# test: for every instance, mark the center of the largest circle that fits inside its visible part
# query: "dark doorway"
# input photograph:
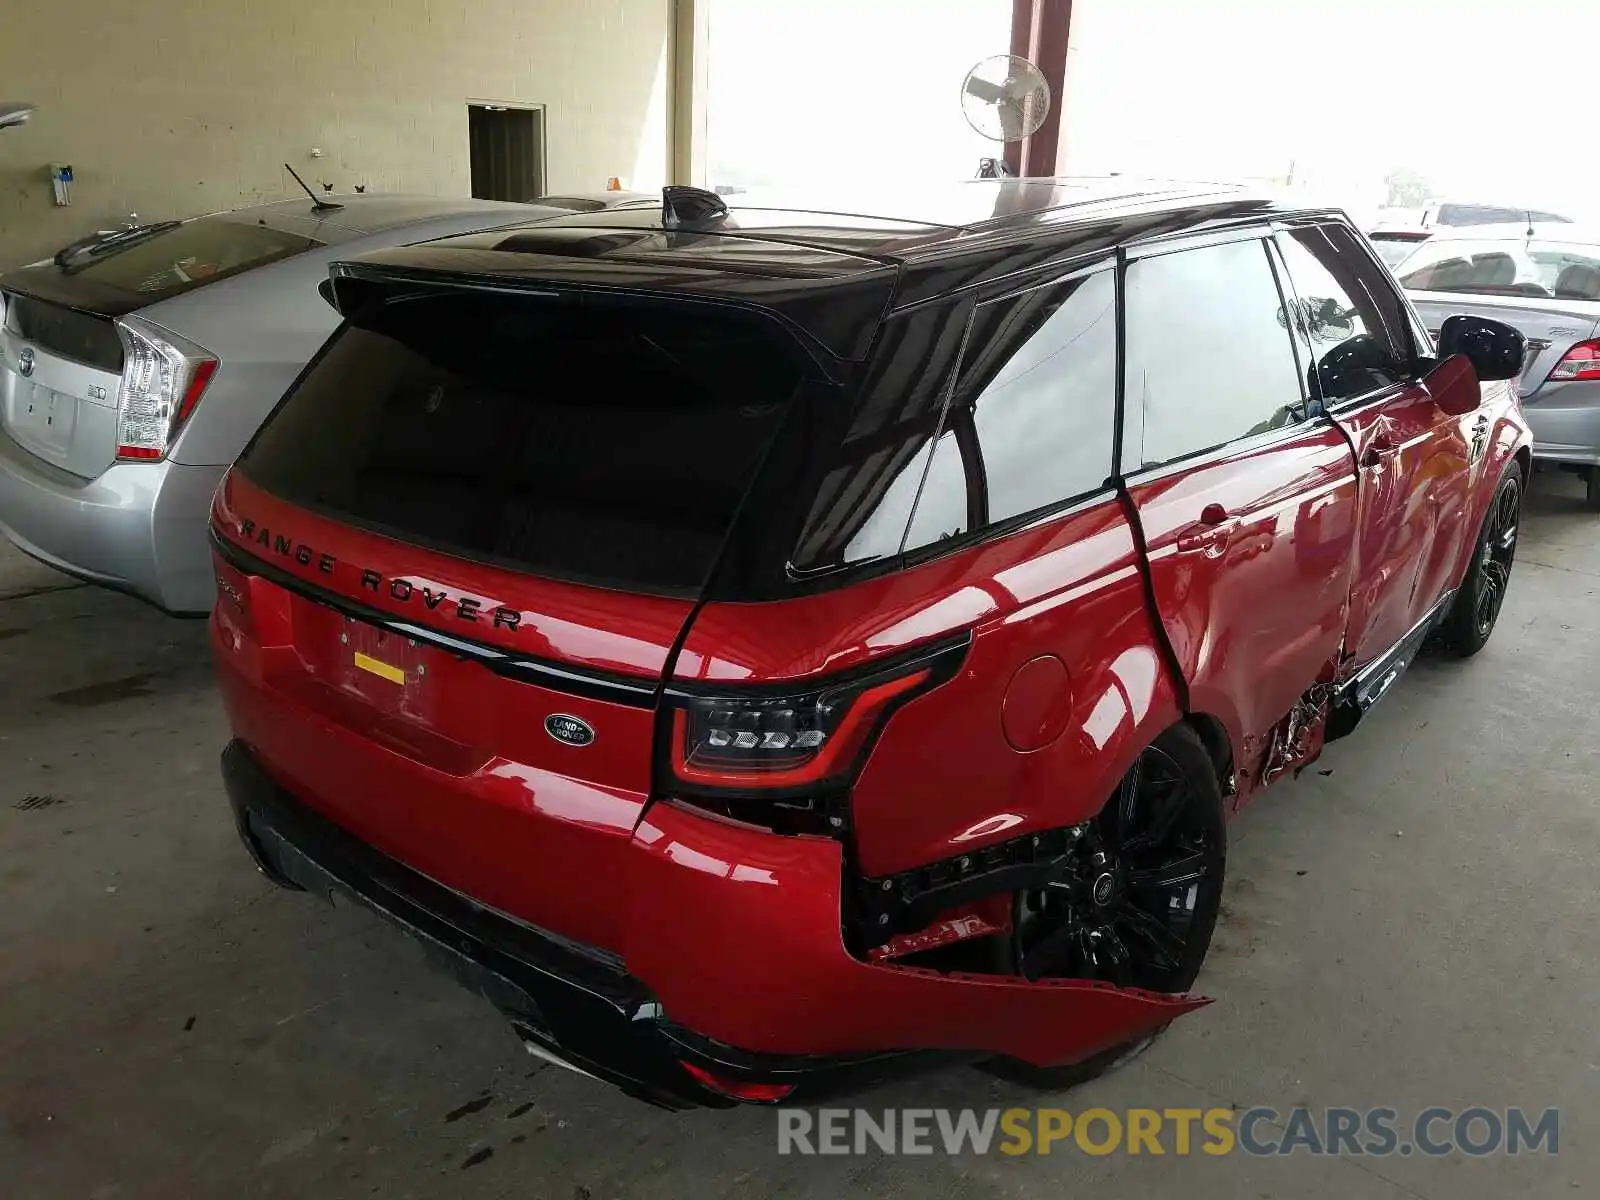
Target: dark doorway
(507, 151)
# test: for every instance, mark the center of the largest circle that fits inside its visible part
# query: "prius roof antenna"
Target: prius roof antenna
(317, 203)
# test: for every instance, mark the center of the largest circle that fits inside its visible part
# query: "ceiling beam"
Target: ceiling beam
(1039, 33)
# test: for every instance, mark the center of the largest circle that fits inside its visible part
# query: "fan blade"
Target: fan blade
(1011, 129)
(989, 93)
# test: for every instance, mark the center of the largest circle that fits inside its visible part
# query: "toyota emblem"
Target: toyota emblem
(25, 361)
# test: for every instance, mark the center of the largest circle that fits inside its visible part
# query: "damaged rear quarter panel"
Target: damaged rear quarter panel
(709, 940)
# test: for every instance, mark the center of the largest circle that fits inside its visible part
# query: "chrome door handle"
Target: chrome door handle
(1211, 533)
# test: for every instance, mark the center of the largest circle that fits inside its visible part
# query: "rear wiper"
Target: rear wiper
(97, 244)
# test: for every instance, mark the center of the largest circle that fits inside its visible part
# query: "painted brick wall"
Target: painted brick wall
(174, 107)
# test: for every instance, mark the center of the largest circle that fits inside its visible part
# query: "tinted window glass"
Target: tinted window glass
(1209, 357)
(864, 500)
(606, 444)
(78, 336)
(176, 259)
(1339, 318)
(944, 505)
(1041, 386)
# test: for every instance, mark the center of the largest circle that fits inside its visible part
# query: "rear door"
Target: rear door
(1414, 458)
(1246, 497)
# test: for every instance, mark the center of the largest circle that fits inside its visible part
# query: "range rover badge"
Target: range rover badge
(567, 729)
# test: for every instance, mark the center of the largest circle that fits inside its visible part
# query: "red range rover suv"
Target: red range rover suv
(758, 650)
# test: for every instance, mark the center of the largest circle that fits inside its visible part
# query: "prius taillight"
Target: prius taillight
(163, 379)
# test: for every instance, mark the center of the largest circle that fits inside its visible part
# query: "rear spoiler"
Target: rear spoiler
(354, 287)
(833, 315)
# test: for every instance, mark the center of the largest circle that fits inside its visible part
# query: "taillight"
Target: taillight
(1580, 362)
(163, 378)
(790, 746)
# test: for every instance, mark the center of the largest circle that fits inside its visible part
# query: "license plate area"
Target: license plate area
(386, 669)
(393, 690)
(43, 419)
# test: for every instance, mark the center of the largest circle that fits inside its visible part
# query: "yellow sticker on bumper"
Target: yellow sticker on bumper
(381, 669)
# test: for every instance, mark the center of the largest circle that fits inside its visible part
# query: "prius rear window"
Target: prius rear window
(605, 444)
(164, 261)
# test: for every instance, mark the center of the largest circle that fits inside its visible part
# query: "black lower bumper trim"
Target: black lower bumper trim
(577, 1001)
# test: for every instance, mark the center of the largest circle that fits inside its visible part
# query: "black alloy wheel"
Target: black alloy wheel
(1477, 606)
(1138, 906)
(1139, 899)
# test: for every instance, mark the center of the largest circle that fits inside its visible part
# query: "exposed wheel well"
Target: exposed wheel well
(1215, 739)
(1524, 459)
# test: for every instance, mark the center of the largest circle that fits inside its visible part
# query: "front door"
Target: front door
(1411, 455)
(1247, 499)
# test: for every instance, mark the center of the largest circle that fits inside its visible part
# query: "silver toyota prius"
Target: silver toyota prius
(135, 365)
(1544, 279)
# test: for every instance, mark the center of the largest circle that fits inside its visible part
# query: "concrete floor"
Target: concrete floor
(1411, 924)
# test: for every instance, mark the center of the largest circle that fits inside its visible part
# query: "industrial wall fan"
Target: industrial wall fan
(1005, 98)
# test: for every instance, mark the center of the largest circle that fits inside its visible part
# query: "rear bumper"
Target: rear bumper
(733, 932)
(1565, 421)
(139, 527)
(575, 1001)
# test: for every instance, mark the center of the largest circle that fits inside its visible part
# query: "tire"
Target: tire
(1178, 752)
(1472, 617)
(1592, 492)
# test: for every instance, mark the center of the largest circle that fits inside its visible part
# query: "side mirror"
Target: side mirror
(1496, 350)
(325, 290)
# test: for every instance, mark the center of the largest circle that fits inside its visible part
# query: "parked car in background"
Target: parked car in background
(761, 648)
(1546, 282)
(1396, 243)
(136, 364)
(1449, 214)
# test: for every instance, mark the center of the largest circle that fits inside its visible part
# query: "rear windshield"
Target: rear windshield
(173, 259)
(1543, 270)
(604, 444)
(81, 337)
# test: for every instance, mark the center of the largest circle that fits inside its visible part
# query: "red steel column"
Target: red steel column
(1039, 33)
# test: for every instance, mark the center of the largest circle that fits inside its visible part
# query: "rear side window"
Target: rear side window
(175, 259)
(945, 504)
(604, 444)
(870, 484)
(1041, 394)
(1209, 358)
(1340, 318)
